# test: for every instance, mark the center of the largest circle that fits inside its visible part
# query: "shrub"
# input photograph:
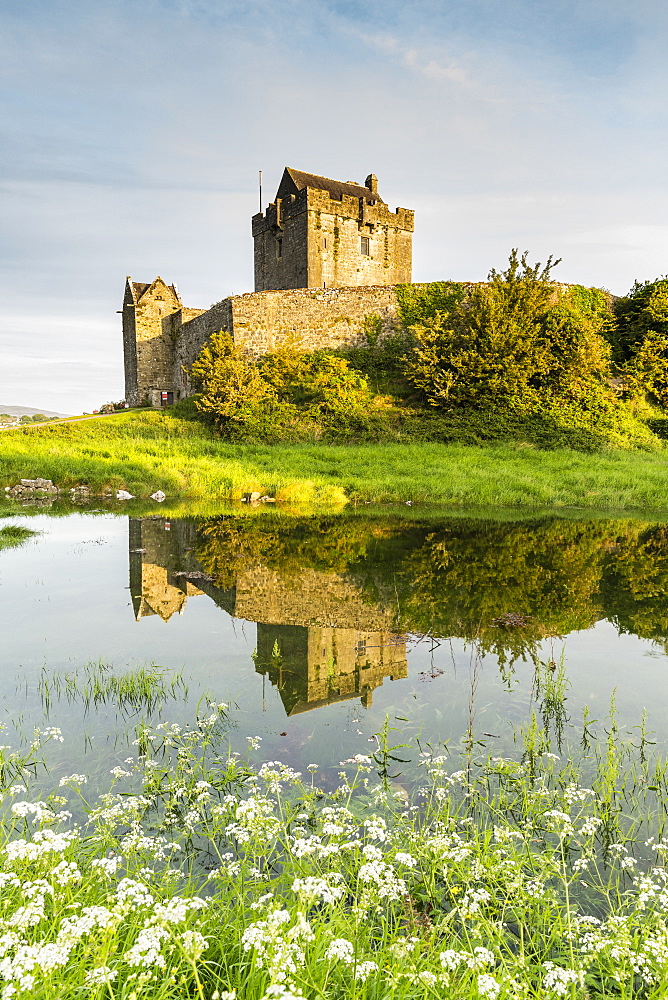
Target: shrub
(291, 395)
(231, 387)
(641, 338)
(509, 343)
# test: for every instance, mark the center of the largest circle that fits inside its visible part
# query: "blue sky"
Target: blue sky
(132, 133)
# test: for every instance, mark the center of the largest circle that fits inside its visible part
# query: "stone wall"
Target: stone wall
(152, 318)
(281, 245)
(335, 233)
(191, 337)
(311, 318)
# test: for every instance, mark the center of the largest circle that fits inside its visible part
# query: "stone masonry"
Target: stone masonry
(321, 233)
(333, 642)
(309, 318)
(152, 316)
(327, 257)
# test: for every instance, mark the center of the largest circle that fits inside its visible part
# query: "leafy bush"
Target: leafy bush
(516, 350)
(641, 338)
(509, 343)
(291, 395)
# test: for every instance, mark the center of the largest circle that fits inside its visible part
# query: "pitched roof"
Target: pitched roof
(294, 181)
(138, 288)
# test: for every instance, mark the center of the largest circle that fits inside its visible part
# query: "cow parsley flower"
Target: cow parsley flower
(102, 974)
(364, 970)
(342, 950)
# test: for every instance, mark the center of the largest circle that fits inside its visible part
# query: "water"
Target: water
(315, 629)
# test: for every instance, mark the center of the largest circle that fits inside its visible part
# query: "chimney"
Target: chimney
(372, 183)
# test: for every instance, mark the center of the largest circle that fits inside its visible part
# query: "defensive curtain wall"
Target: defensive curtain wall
(164, 338)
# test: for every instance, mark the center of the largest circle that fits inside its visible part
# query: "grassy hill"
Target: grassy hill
(144, 451)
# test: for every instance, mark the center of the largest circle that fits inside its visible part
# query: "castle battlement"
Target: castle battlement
(321, 233)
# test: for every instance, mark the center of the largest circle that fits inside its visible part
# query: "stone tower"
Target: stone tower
(321, 233)
(152, 313)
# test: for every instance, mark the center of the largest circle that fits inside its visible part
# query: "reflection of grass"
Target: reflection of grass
(145, 451)
(13, 534)
(144, 688)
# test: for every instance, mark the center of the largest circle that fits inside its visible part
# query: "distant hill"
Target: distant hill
(20, 411)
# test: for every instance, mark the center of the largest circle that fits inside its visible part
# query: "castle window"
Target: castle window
(360, 647)
(365, 248)
(324, 243)
(279, 248)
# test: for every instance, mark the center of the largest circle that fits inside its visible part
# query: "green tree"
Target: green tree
(516, 342)
(230, 384)
(641, 338)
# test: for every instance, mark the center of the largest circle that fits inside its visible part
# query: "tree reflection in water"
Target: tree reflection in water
(335, 597)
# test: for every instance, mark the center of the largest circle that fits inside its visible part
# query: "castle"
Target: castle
(333, 643)
(328, 255)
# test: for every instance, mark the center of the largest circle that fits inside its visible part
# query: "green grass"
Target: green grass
(13, 534)
(198, 873)
(146, 451)
(141, 689)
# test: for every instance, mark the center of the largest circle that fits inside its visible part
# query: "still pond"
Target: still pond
(315, 629)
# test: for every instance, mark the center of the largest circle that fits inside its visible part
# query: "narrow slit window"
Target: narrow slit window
(279, 248)
(365, 247)
(324, 243)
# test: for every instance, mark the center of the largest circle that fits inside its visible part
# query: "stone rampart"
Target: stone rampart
(310, 318)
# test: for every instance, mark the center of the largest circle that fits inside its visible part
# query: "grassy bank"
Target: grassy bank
(197, 873)
(146, 451)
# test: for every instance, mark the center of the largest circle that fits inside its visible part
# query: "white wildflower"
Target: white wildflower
(488, 987)
(102, 974)
(376, 828)
(193, 943)
(108, 866)
(329, 889)
(557, 980)
(147, 949)
(364, 970)
(342, 950)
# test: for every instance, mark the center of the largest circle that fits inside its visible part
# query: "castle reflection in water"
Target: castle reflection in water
(318, 640)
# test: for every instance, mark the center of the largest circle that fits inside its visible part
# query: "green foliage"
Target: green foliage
(641, 338)
(145, 451)
(521, 348)
(510, 343)
(289, 395)
(13, 535)
(231, 387)
(421, 302)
